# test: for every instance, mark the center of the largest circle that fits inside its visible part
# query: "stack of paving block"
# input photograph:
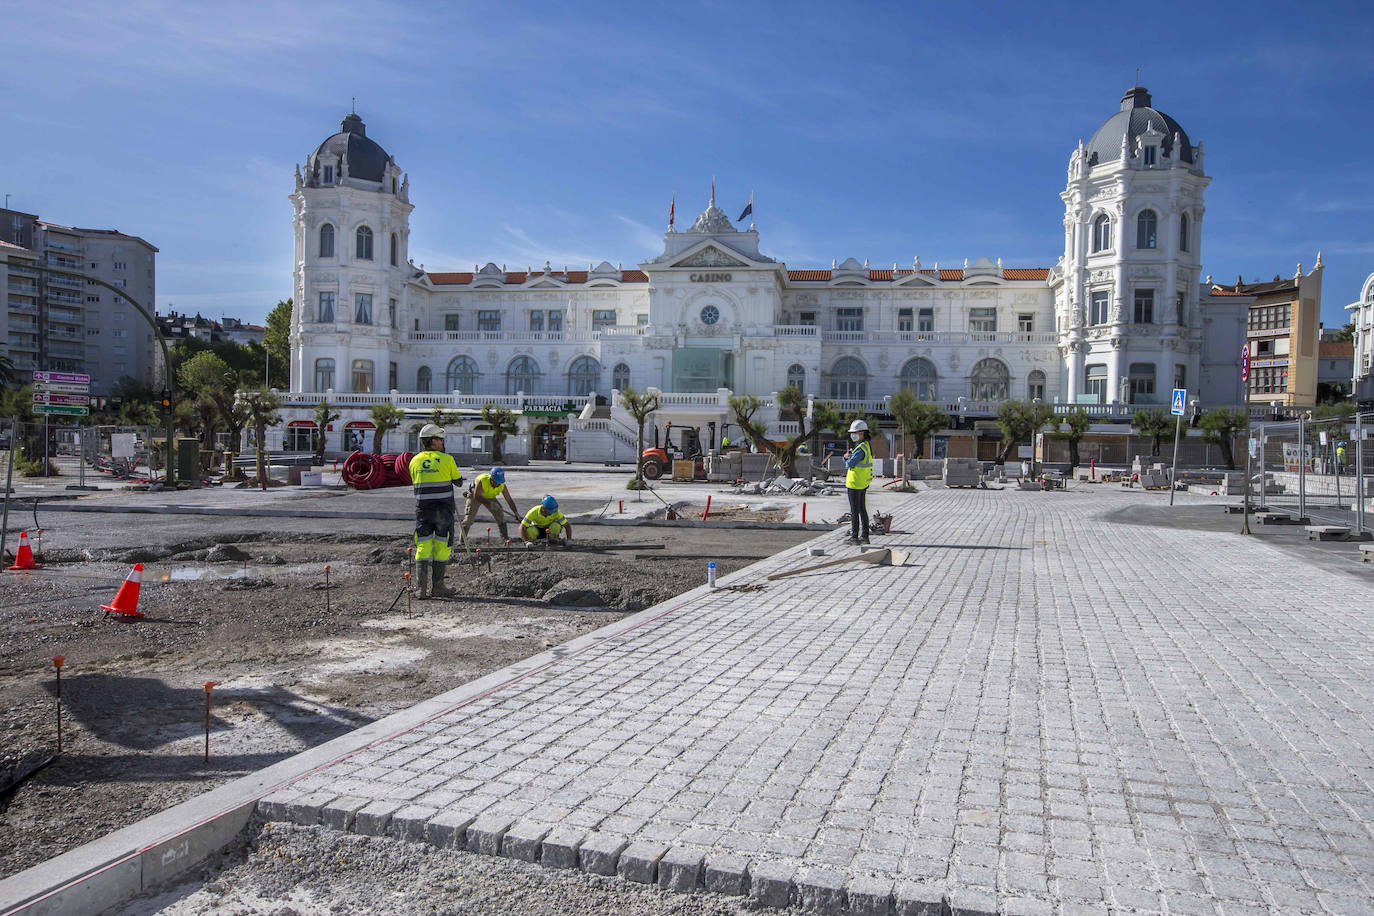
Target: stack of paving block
(961, 472)
(753, 467)
(724, 467)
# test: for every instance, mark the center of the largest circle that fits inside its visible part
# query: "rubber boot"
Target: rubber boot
(422, 579)
(439, 589)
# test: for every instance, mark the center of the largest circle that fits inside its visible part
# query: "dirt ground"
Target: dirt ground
(295, 665)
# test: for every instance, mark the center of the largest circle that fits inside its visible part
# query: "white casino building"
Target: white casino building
(1121, 319)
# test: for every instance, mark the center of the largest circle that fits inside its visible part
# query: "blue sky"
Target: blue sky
(536, 131)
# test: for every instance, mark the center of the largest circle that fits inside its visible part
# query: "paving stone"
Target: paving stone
(559, 848)
(275, 807)
(917, 898)
(770, 883)
(449, 828)
(639, 861)
(820, 890)
(600, 852)
(339, 812)
(966, 901)
(870, 896)
(306, 810)
(682, 869)
(409, 822)
(372, 820)
(524, 840)
(727, 874)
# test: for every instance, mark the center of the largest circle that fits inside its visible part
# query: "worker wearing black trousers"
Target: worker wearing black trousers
(858, 476)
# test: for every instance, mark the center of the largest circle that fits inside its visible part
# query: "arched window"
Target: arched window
(523, 375)
(327, 241)
(422, 378)
(1102, 233)
(324, 374)
(363, 376)
(620, 377)
(462, 375)
(1146, 225)
(990, 380)
(1183, 232)
(1035, 385)
(796, 377)
(848, 380)
(393, 249)
(584, 376)
(364, 247)
(918, 376)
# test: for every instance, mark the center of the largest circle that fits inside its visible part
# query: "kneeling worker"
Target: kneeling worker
(545, 522)
(433, 475)
(484, 493)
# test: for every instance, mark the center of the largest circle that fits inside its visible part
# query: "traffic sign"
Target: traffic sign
(1245, 362)
(1180, 399)
(74, 400)
(61, 387)
(65, 409)
(76, 378)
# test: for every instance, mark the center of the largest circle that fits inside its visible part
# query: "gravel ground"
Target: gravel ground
(283, 870)
(291, 674)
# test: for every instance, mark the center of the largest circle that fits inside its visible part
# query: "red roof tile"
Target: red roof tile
(1218, 291)
(633, 276)
(449, 279)
(808, 275)
(1026, 273)
(952, 274)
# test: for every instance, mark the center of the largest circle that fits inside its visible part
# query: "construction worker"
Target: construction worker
(1340, 457)
(545, 522)
(483, 493)
(433, 475)
(859, 461)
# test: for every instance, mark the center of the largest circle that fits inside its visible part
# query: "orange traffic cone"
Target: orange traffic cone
(24, 558)
(126, 601)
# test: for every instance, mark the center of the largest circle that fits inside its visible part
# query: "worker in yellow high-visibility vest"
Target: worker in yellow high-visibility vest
(484, 492)
(859, 462)
(433, 475)
(545, 523)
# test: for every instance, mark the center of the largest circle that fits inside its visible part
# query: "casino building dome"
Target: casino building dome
(365, 158)
(1135, 118)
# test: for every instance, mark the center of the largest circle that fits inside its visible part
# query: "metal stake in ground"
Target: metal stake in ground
(326, 590)
(57, 661)
(407, 596)
(209, 685)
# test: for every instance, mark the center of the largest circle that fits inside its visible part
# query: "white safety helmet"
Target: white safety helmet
(858, 426)
(430, 431)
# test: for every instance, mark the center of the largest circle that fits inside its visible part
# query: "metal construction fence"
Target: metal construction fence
(1321, 468)
(38, 449)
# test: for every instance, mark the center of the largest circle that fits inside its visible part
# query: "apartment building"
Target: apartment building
(1283, 327)
(73, 324)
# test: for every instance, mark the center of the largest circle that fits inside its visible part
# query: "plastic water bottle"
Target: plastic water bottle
(711, 574)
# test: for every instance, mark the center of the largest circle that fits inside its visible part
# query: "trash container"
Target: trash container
(188, 461)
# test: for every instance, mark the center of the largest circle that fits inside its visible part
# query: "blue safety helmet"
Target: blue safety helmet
(498, 476)
(549, 504)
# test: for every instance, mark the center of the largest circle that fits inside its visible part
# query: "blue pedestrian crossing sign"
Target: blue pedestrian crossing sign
(1180, 398)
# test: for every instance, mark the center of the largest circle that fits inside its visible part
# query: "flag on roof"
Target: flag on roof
(748, 208)
(672, 211)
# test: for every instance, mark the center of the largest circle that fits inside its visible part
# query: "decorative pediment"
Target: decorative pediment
(710, 256)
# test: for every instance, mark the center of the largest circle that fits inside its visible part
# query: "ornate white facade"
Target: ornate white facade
(1362, 315)
(1120, 318)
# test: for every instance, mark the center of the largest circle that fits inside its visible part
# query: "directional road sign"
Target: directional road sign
(1180, 399)
(66, 409)
(75, 378)
(72, 400)
(61, 388)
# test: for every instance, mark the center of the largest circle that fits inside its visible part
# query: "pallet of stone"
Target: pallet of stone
(1327, 532)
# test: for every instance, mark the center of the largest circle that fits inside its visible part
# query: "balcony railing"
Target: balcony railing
(59, 280)
(940, 337)
(73, 247)
(779, 330)
(58, 296)
(474, 402)
(526, 336)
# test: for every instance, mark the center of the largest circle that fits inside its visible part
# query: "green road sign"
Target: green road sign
(65, 409)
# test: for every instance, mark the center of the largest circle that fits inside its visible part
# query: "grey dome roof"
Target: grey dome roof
(1136, 116)
(366, 160)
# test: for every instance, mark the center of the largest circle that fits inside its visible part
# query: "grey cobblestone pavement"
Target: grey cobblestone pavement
(1043, 712)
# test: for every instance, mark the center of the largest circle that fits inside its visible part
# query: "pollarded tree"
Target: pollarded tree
(917, 419)
(745, 406)
(324, 415)
(1078, 423)
(261, 405)
(1019, 420)
(503, 425)
(1219, 427)
(1155, 423)
(385, 418)
(639, 405)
